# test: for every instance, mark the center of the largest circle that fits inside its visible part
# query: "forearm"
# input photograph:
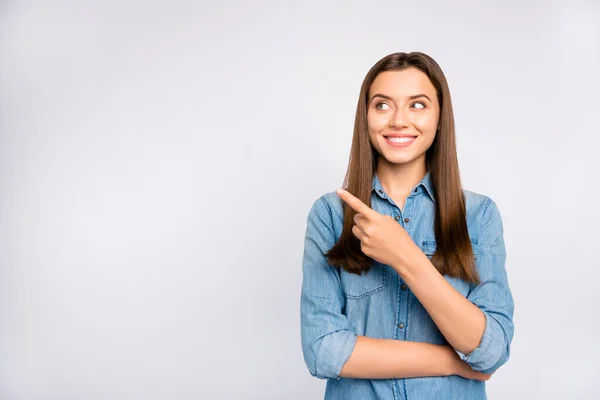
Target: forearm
(461, 322)
(394, 359)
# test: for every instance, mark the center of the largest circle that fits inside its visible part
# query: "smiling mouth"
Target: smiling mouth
(402, 141)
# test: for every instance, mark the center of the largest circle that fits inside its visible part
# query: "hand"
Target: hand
(381, 237)
(463, 369)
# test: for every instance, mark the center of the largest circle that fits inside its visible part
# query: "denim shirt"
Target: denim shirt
(336, 306)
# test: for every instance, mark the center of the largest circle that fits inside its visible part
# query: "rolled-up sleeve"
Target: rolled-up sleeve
(327, 340)
(492, 295)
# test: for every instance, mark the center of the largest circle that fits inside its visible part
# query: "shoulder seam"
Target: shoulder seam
(322, 198)
(486, 208)
(329, 213)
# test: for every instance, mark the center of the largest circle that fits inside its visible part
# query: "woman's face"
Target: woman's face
(402, 104)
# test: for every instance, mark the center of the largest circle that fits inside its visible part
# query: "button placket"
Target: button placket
(403, 300)
(404, 292)
(408, 206)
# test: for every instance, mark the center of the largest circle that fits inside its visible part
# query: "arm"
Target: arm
(391, 359)
(461, 322)
(329, 344)
(481, 324)
(327, 340)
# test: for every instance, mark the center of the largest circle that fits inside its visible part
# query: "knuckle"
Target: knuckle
(365, 249)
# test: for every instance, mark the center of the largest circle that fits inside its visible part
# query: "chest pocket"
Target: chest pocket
(356, 287)
(464, 288)
(429, 247)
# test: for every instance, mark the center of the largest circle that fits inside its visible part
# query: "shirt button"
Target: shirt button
(401, 325)
(396, 218)
(380, 191)
(406, 220)
(403, 286)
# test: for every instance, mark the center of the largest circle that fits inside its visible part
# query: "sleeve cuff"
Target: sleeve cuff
(334, 351)
(490, 349)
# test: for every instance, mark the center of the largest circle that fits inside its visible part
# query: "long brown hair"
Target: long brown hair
(454, 253)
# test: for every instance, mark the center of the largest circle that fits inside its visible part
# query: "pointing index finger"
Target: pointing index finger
(355, 202)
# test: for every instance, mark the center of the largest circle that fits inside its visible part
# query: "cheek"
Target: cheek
(374, 128)
(426, 123)
(375, 124)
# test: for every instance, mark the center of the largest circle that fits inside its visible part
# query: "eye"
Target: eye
(378, 104)
(420, 104)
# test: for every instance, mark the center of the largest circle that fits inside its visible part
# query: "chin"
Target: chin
(399, 160)
(402, 158)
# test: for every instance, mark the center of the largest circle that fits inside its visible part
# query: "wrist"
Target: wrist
(404, 263)
(450, 363)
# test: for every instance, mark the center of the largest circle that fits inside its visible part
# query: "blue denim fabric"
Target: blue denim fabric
(336, 306)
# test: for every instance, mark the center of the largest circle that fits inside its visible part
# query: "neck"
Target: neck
(398, 180)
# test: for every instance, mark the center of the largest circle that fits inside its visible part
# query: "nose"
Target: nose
(398, 118)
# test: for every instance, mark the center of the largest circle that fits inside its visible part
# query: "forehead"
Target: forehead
(402, 83)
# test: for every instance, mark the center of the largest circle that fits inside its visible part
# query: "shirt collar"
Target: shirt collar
(425, 184)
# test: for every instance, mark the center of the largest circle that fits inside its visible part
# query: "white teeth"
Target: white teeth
(400, 139)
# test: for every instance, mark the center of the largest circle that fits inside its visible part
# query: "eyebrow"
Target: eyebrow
(416, 96)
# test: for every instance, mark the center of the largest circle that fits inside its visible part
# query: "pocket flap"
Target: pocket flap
(429, 247)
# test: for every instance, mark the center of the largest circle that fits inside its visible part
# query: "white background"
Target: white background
(158, 161)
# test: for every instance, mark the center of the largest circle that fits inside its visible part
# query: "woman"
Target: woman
(404, 290)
